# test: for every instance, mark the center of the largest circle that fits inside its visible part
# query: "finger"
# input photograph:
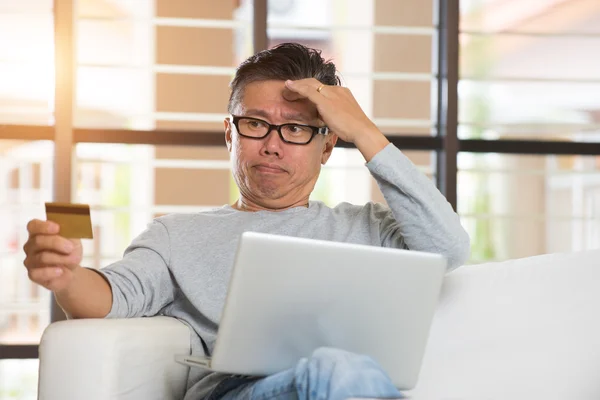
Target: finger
(290, 95)
(47, 258)
(39, 227)
(53, 243)
(43, 276)
(306, 88)
(310, 82)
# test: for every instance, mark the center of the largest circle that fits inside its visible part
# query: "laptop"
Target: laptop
(289, 296)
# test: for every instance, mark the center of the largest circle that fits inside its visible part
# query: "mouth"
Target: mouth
(269, 169)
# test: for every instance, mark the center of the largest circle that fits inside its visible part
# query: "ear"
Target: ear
(228, 125)
(328, 148)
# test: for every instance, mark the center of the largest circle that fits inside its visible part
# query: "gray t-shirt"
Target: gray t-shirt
(181, 265)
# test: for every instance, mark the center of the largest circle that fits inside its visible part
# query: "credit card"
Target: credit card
(74, 219)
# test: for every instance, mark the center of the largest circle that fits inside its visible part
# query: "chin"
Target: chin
(266, 185)
(269, 192)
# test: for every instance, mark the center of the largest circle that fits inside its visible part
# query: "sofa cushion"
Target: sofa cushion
(521, 329)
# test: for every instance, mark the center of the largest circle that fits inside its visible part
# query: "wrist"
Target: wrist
(369, 144)
(67, 290)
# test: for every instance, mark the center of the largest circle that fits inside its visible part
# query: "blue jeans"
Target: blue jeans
(328, 374)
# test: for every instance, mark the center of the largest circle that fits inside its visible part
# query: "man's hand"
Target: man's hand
(341, 113)
(50, 259)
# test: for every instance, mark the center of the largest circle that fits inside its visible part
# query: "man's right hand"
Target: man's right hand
(51, 259)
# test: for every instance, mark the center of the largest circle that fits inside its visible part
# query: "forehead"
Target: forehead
(268, 97)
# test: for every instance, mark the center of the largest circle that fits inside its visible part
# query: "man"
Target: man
(287, 112)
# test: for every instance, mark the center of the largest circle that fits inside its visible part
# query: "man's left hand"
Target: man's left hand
(337, 108)
(341, 113)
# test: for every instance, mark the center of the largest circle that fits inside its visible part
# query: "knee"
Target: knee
(332, 365)
(338, 358)
(334, 373)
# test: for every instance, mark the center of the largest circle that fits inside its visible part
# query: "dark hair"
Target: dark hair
(282, 62)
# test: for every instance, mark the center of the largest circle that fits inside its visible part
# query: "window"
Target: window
(18, 379)
(150, 90)
(25, 184)
(529, 72)
(132, 74)
(26, 62)
(523, 205)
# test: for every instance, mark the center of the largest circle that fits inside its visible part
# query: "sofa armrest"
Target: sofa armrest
(97, 359)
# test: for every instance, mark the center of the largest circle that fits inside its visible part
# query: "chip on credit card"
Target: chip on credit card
(74, 219)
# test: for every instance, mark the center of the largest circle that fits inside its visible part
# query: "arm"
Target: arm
(420, 217)
(138, 285)
(141, 282)
(53, 262)
(88, 296)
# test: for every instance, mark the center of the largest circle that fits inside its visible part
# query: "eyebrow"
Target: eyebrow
(288, 116)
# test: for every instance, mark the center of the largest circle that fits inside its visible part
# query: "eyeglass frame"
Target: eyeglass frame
(316, 130)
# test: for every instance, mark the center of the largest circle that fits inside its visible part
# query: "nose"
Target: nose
(272, 144)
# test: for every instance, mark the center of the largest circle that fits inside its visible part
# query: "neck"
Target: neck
(244, 204)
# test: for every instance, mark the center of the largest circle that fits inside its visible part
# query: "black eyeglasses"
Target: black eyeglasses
(254, 128)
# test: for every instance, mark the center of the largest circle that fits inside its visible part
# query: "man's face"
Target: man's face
(269, 172)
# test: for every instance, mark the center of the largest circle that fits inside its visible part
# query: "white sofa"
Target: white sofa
(521, 329)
